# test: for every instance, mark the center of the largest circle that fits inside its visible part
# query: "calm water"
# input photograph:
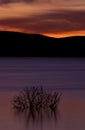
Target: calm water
(59, 74)
(52, 73)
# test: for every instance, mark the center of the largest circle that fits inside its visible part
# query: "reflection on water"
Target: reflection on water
(38, 118)
(70, 114)
(37, 106)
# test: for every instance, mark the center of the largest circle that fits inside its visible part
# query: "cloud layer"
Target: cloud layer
(53, 22)
(64, 2)
(45, 17)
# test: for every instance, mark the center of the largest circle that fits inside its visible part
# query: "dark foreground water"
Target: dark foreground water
(59, 74)
(69, 116)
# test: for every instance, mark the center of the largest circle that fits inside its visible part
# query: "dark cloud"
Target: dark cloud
(53, 22)
(15, 1)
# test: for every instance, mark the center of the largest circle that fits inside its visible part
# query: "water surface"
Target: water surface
(56, 74)
(48, 72)
(70, 114)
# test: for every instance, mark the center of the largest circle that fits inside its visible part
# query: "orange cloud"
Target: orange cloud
(58, 19)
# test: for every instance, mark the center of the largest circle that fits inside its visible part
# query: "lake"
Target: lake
(65, 75)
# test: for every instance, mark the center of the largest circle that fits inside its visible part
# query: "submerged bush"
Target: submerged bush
(36, 99)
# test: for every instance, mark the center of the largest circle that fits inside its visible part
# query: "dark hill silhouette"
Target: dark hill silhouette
(35, 45)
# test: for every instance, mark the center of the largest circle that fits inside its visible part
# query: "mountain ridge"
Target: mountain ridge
(15, 44)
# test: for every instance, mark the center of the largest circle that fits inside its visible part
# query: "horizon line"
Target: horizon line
(58, 35)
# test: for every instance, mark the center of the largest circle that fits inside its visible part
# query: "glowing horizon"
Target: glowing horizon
(58, 35)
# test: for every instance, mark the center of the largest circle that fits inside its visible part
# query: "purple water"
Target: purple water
(52, 73)
(66, 75)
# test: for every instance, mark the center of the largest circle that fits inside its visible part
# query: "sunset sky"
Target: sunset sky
(56, 18)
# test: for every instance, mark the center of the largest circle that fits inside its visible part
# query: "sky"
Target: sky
(56, 18)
